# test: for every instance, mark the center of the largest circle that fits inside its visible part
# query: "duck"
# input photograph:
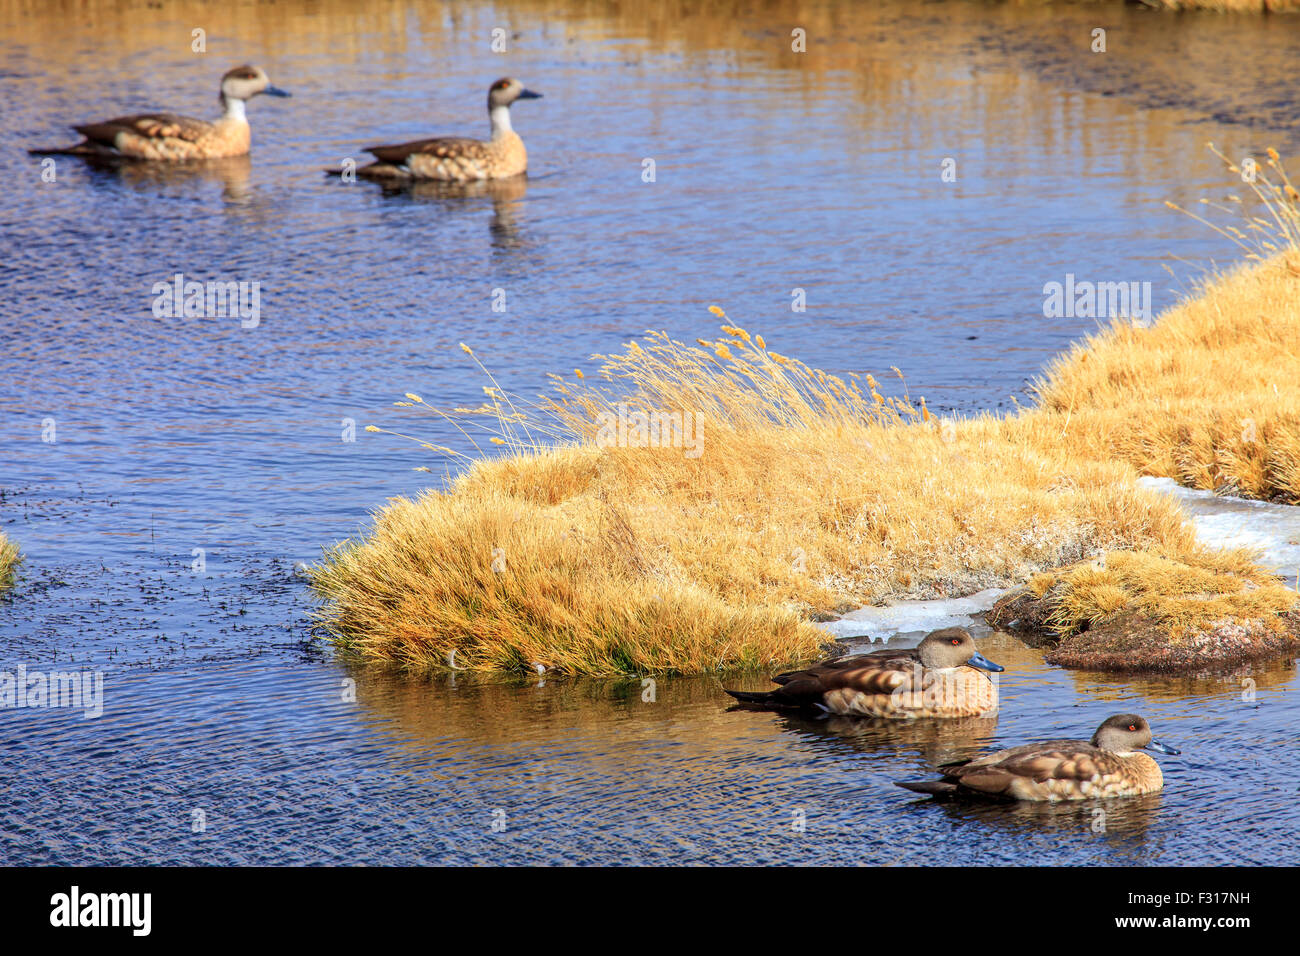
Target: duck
(457, 159)
(167, 137)
(940, 677)
(1111, 764)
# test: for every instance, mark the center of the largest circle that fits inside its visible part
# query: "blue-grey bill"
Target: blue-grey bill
(982, 662)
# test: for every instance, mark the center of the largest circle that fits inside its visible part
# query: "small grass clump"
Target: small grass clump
(1150, 610)
(9, 557)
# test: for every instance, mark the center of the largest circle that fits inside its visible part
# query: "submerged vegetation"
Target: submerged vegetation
(695, 506)
(8, 562)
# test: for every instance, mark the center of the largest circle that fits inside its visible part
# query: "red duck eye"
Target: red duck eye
(956, 641)
(1132, 727)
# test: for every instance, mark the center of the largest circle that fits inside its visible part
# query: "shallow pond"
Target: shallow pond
(228, 733)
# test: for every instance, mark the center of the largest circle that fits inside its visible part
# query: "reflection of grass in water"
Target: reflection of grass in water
(9, 558)
(814, 494)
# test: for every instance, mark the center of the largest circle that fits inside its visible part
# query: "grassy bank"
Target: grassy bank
(8, 562)
(1209, 396)
(788, 493)
(1149, 610)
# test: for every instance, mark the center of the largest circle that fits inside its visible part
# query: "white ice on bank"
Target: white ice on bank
(1220, 521)
(913, 617)
(1227, 522)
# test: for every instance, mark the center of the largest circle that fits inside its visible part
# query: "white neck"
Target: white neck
(500, 117)
(234, 109)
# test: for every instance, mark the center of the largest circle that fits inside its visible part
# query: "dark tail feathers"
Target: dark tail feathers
(747, 697)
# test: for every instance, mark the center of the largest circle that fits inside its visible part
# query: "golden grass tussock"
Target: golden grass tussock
(1131, 610)
(9, 557)
(1181, 592)
(1208, 396)
(604, 558)
(691, 507)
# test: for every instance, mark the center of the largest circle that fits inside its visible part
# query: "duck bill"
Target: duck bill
(276, 91)
(529, 95)
(983, 663)
(1160, 748)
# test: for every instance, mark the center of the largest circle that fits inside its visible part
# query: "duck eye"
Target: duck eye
(956, 641)
(1132, 727)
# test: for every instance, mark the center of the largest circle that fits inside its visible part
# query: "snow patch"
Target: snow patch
(915, 617)
(1228, 522)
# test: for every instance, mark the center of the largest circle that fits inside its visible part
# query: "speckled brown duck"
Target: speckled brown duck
(457, 159)
(1109, 765)
(940, 677)
(167, 137)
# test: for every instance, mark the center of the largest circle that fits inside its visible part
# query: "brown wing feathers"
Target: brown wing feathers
(868, 673)
(149, 125)
(994, 774)
(440, 147)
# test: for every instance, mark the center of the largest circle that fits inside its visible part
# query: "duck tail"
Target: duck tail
(379, 172)
(936, 788)
(59, 151)
(746, 697)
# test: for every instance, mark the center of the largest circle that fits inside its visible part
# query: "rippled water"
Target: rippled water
(185, 439)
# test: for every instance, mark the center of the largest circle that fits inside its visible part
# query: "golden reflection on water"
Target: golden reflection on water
(505, 195)
(921, 81)
(232, 174)
(1127, 819)
(889, 52)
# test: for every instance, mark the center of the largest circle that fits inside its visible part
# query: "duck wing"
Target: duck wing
(866, 673)
(1039, 762)
(882, 659)
(147, 125)
(442, 147)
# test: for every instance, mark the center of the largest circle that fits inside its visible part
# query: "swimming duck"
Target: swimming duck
(937, 678)
(460, 160)
(168, 137)
(1109, 765)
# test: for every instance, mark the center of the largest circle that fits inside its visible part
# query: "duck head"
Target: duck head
(245, 82)
(506, 90)
(952, 647)
(1124, 733)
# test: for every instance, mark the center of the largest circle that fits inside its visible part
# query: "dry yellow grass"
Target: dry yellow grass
(1210, 395)
(1151, 610)
(812, 494)
(8, 562)
(1182, 593)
